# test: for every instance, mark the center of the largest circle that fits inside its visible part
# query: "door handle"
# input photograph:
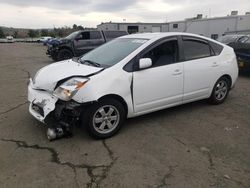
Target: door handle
(177, 72)
(215, 64)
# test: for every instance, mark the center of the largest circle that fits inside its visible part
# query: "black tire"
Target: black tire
(220, 91)
(64, 54)
(54, 58)
(92, 113)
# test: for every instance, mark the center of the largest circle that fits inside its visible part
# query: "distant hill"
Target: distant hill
(21, 32)
(54, 32)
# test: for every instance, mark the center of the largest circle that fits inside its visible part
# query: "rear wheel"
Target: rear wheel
(104, 119)
(220, 91)
(64, 54)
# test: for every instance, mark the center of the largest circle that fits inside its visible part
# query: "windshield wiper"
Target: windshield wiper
(89, 62)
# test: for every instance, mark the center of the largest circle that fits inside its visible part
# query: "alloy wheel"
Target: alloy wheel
(106, 119)
(221, 90)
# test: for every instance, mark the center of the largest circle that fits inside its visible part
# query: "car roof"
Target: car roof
(160, 35)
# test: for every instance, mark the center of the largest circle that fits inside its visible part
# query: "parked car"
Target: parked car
(10, 39)
(227, 39)
(44, 40)
(81, 42)
(52, 42)
(242, 51)
(131, 76)
(241, 46)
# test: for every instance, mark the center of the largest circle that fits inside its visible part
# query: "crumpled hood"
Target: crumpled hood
(47, 77)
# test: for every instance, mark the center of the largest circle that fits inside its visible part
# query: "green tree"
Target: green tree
(2, 35)
(32, 33)
(15, 34)
(74, 27)
(79, 27)
(52, 33)
(60, 33)
(44, 32)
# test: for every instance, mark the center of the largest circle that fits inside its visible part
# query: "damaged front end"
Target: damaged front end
(56, 107)
(51, 93)
(59, 115)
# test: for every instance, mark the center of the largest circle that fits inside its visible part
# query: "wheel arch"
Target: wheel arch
(228, 77)
(66, 48)
(118, 98)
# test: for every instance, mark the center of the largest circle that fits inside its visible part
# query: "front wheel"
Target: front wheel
(64, 54)
(220, 91)
(104, 119)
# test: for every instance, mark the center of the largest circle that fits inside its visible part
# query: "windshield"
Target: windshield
(113, 52)
(72, 35)
(228, 39)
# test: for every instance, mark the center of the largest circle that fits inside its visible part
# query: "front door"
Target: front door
(161, 85)
(87, 40)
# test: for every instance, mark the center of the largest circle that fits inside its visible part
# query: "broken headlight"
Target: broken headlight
(69, 88)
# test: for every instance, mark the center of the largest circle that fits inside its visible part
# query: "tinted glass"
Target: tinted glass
(228, 39)
(247, 41)
(95, 35)
(114, 51)
(163, 54)
(114, 34)
(72, 35)
(243, 39)
(83, 36)
(194, 49)
(216, 48)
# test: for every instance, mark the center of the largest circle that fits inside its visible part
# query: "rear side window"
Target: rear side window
(95, 35)
(217, 48)
(195, 49)
(114, 34)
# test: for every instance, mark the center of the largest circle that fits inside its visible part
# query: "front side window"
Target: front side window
(114, 51)
(195, 49)
(164, 54)
(83, 36)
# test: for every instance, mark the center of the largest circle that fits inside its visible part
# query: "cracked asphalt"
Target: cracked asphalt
(193, 145)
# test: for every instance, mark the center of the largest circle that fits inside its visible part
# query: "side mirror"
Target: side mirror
(145, 63)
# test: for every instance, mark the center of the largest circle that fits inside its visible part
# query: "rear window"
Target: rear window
(114, 34)
(217, 48)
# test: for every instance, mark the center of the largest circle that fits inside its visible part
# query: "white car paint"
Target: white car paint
(143, 91)
(44, 39)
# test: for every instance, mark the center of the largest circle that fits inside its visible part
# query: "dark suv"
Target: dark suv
(80, 42)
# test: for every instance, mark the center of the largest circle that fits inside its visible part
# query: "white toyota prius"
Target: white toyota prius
(131, 76)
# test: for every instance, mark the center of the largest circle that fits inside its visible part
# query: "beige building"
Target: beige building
(209, 27)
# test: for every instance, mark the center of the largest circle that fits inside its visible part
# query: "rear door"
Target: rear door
(161, 85)
(201, 68)
(87, 40)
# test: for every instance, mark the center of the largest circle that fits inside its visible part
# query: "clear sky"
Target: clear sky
(89, 13)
